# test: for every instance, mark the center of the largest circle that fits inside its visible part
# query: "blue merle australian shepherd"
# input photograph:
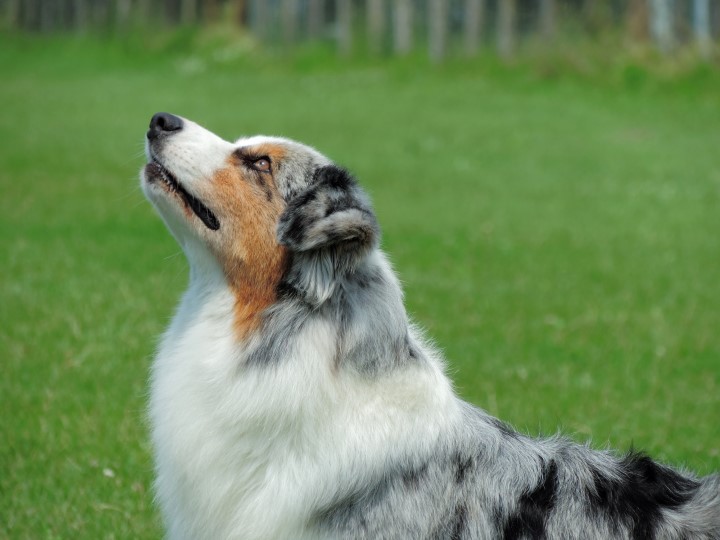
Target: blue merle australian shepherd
(293, 399)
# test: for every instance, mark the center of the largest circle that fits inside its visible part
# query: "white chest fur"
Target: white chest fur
(252, 452)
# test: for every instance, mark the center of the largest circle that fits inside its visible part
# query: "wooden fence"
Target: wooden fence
(397, 27)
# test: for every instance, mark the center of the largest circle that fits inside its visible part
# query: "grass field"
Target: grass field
(559, 239)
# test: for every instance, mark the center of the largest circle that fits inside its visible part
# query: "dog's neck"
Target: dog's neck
(252, 284)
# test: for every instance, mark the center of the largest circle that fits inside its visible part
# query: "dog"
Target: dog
(291, 397)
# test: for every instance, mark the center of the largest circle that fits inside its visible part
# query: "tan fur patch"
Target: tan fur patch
(274, 152)
(253, 260)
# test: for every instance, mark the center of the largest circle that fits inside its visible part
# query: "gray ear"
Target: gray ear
(328, 229)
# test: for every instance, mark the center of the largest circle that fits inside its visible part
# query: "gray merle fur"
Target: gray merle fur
(482, 480)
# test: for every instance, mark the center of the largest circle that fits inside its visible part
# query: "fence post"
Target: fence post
(314, 18)
(506, 28)
(259, 19)
(403, 17)
(79, 15)
(438, 23)
(123, 9)
(636, 20)
(661, 23)
(344, 26)
(28, 18)
(210, 10)
(188, 12)
(547, 18)
(289, 14)
(376, 25)
(48, 16)
(12, 13)
(472, 25)
(701, 26)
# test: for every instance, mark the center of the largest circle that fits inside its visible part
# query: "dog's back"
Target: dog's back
(291, 398)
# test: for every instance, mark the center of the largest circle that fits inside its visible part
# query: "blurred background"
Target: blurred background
(443, 27)
(546, 174)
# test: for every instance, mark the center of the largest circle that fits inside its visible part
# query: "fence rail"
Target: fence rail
(392, 26)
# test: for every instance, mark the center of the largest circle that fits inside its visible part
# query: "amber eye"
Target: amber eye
(262, 165)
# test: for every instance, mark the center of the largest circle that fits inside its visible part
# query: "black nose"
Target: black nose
(163, 124)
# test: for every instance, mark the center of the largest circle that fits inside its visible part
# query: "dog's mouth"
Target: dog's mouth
(155, 172)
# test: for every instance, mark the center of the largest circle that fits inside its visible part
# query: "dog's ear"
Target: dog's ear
(328, 229)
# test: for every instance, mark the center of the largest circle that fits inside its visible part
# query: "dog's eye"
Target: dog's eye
(262, 165)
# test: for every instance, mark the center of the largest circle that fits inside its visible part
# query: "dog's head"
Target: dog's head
(264, 211)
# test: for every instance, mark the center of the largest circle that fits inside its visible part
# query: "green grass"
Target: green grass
(559, 239)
